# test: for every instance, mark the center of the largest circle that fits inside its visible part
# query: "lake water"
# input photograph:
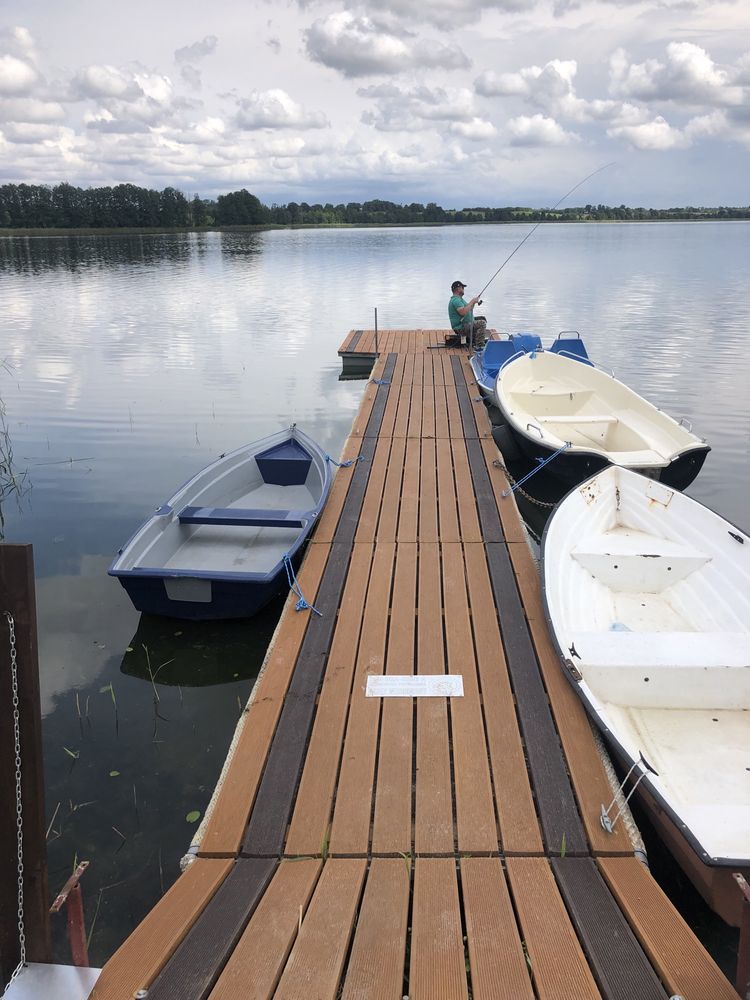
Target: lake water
(133, 361)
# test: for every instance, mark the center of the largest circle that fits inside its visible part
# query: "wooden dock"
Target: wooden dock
(375, 848)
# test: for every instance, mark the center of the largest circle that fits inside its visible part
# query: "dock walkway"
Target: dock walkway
(427, 847)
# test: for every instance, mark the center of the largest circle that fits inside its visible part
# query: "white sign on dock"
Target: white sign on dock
(415, 686)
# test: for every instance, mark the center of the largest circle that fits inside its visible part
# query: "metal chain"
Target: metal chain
(19, 805)
(520, 489)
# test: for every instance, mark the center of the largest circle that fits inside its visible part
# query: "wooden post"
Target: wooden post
(17, 597)
(742, 984)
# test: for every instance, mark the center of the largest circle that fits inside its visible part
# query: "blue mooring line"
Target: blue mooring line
(542, 463)
(301, 604)
(345, 465)
(380, 381)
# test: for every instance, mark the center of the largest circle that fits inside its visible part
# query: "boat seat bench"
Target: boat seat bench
(244, 517)
(578, 418)
(680, 670)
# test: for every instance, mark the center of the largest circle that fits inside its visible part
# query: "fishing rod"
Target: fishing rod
(532, 231)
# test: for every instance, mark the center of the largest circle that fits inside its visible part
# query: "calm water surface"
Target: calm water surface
(133, 361)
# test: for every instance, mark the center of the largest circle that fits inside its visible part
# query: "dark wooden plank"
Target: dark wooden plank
(202, 954)
(558, 813)
(464, 403)
(620, 967)
(273, 805)
(378, 407)
(561, 824)
(354, 339)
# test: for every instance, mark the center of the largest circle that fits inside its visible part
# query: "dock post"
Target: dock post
(18, 642)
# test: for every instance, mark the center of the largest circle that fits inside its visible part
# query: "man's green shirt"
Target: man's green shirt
(457, 321)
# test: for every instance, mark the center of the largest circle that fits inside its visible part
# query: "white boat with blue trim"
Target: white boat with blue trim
(224, 543)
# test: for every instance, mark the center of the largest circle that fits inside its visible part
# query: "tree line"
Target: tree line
(63, 206)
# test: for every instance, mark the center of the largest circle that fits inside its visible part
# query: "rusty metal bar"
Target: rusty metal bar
(68, 887)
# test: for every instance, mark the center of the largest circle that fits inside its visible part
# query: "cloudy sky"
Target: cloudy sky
(464, 102)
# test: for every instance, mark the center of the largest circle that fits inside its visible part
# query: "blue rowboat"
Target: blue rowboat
(224, 543)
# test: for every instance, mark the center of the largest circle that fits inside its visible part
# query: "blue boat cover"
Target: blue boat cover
(285, 464)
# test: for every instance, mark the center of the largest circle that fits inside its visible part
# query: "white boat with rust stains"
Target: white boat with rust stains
(647, 595)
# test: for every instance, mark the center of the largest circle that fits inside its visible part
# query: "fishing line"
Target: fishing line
(532, 231)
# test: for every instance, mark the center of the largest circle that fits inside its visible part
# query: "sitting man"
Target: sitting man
(465, 326)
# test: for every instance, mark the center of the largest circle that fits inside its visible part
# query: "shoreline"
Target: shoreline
(266, 227)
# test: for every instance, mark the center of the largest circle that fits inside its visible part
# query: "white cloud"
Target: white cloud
(30, 109)
(537, 130)
(104, 81)
(400, 109)
(476, 130)
(16, 76)
(688, 75)
(361, 46)
(276, 109)
(24, 132)
(657, 135)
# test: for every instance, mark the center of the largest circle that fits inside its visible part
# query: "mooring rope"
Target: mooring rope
(302, 604)
(345, 465)
(542, 463)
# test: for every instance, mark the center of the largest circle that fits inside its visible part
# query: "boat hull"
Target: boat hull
(572, 468)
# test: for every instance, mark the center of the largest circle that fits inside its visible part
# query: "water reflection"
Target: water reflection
(195, 654)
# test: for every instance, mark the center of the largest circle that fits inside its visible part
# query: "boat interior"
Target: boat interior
(238, 516)
(562, 400)
(656, 617)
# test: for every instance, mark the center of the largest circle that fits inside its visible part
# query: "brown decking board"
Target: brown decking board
(387, 881)
(203, 952)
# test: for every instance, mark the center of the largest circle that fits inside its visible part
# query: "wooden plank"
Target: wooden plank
(446, 491)
(401, 422)
(558, 964)
(679, 958)
(18, 602)
(229, 816)
(428, 405)
(428, 509)
(257, 962)
(563, 830)
(617, 960)
(433, 832)
(437, 967)
(408, 376)
(519, 828)
(455, 425)
(203, 952)
(376, 966)
(498, 965)
(368, 518)
(510, 518)
(587, 773)
(138, 961)
(327, 523)
(381, 398)
(389, 509)
(467, 508)
(408, 518)
(419, 359)
(350, 831)
(315, 964)
(414, 428)
(441, 412)
(350, 341)
(475, 813)
(392, 826)
(266, 829)
(489, 520)
(312, 811)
